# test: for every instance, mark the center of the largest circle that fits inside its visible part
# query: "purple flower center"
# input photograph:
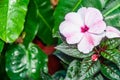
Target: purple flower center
(84, 29)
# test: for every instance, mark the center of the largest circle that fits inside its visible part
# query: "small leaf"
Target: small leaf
(112, 55)
(110, 71)
(22, 64)
(72, 51)
(12, 18)
(31, 23)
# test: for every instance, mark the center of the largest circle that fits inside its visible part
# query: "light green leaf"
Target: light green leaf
(12, 18)
(24, 64)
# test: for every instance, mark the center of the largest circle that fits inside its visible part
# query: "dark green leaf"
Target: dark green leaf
(62, 9)
(12, 18)
(63, 57)
(73, 70)
(31, 23)
(110, 71)
(46, 22)
(59, 75)
(45, 76)
(1, 45)
(72, 51)
(112, 55)
(22, 64)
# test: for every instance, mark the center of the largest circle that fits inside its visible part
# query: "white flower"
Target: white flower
(84, 28)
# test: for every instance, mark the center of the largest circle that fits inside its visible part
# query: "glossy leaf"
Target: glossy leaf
(46, 22)
(22, 64)
(73, 70)
(12, 18)
(63, 8)
(1, 45)
(31, 23)
(110, 71)
(82, 70)
(72, 51)
(112, 55)
(88, 69)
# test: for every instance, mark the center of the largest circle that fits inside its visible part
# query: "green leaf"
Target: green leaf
(82, 70)
(31, 23)
(72, 51)
(46, 22)
(73, 70)
(22, 64)
(98, 77)
(111, 43)
(112, 55)
(12, 18)
(45, 76)
(59, 75)
(62, 9)
(110, 71)
(1, 45)
(63, 57)
(88, 69)
(111, 13)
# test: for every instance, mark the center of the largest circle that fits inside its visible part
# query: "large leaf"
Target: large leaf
(46, 22)
(112, 55)
(84, 70)
(72, 51)
(31, 23)
(22, 64)
(12, 18)
(63, 8)
(110, 71)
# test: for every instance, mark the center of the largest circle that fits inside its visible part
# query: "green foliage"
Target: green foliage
(72, 51)
(110, 71)
(12, 16)
(23, 64)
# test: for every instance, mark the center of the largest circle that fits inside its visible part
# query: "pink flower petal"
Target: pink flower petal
(71, 32)
(97, 38)
(92, 16)
(82, 12)
(112, 32)
(86, 45)
(98, 27)
(74, 18)
(74, 38)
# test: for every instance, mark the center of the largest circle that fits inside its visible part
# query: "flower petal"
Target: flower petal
(74, 18)
(71, 32)
(98, 27)
(86, 45)
(97, 38)
(74, 38)
(92, 16)
(112, 32)
(82, 12)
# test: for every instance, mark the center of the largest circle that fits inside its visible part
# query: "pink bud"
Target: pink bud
(94, 57)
